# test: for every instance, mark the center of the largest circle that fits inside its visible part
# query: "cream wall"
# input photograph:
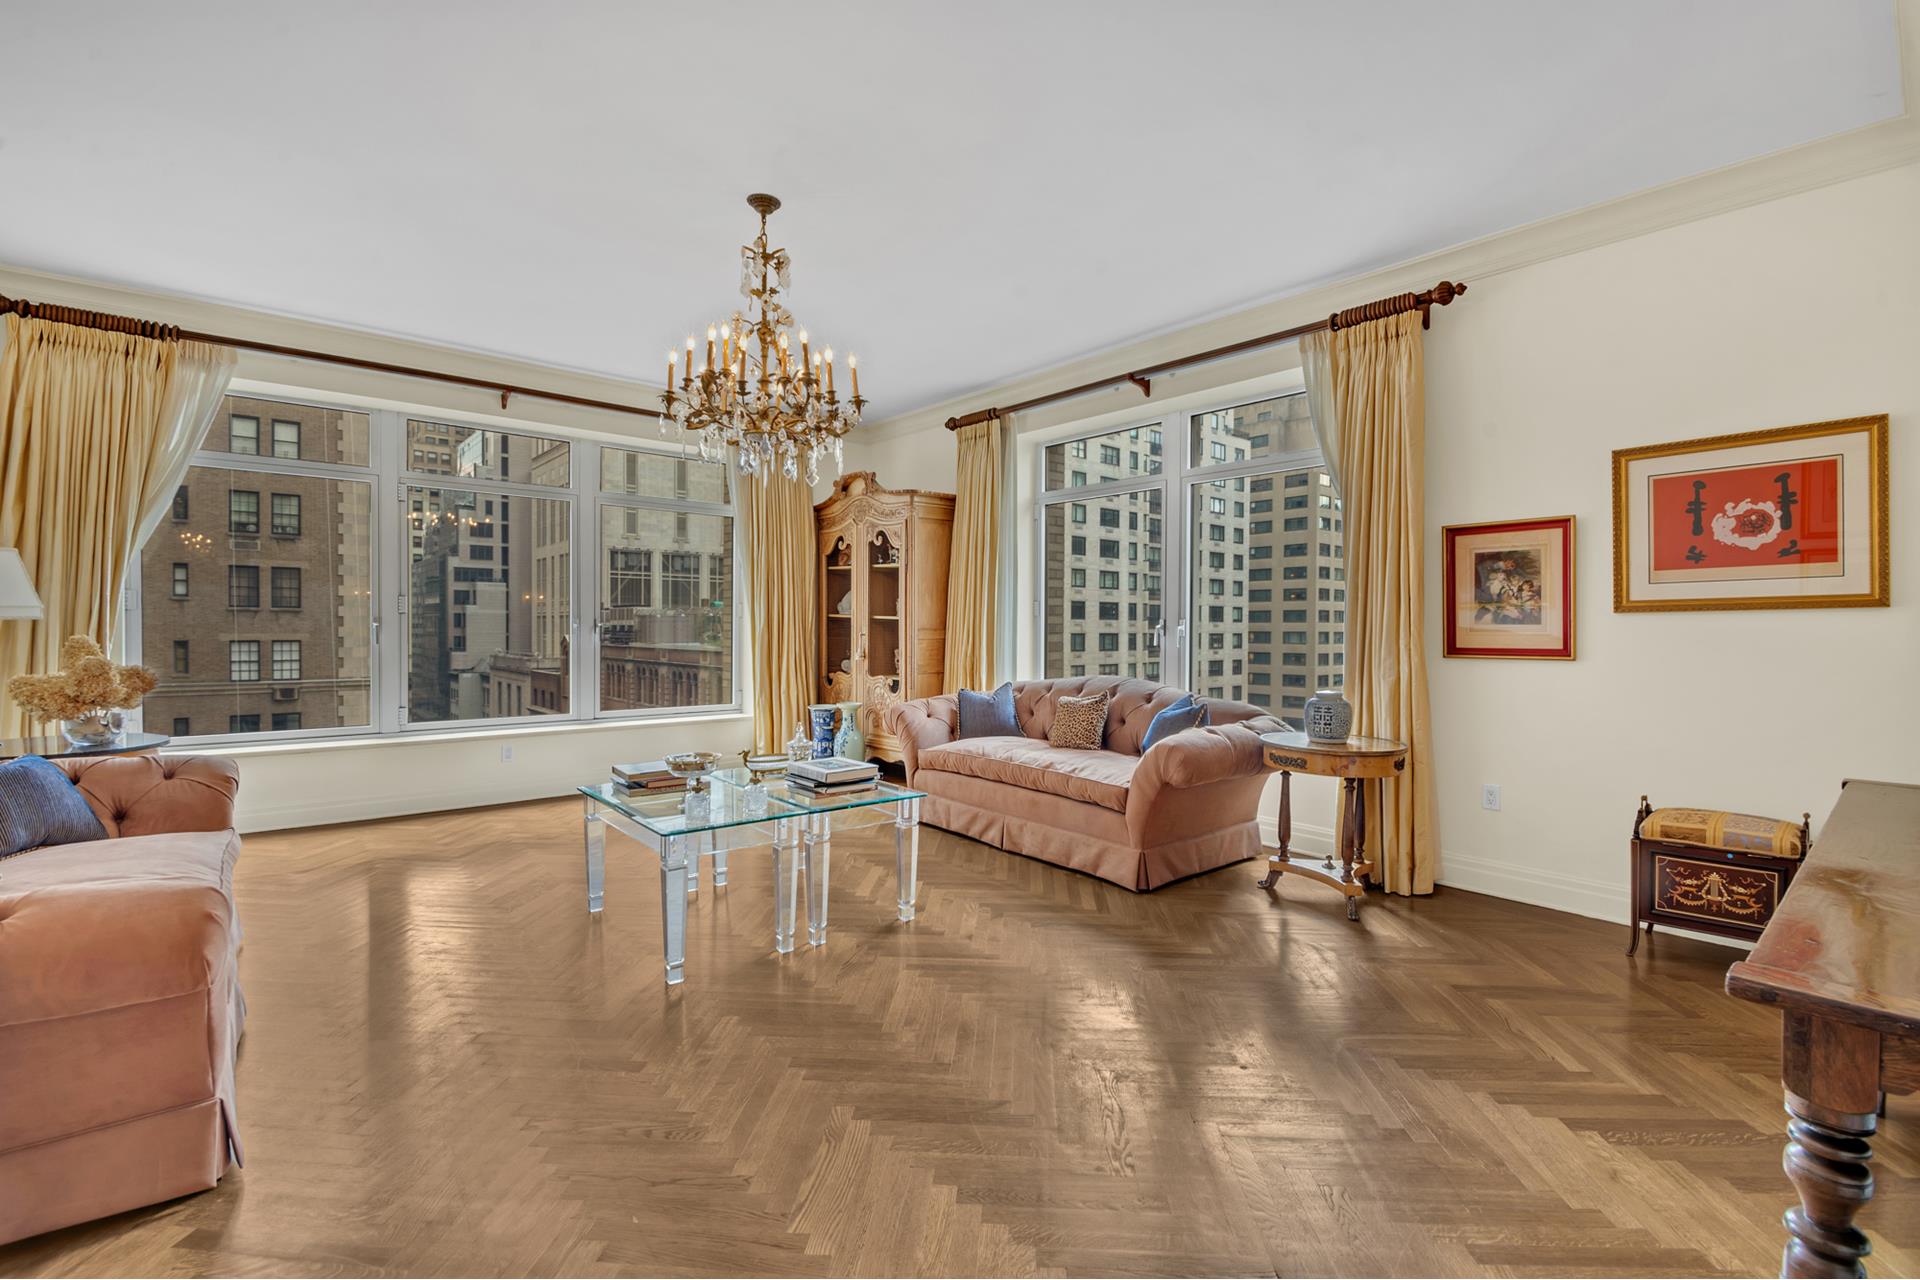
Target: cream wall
(1803, 308)
(292, 786)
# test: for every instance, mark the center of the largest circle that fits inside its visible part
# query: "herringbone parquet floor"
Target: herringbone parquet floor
(450, 1068)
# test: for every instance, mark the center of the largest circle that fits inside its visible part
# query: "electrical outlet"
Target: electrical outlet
(506, 755)
(1490, 796)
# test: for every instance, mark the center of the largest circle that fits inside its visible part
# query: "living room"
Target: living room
(1242, 601)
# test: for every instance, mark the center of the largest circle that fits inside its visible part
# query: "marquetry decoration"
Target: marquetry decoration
(883, 557)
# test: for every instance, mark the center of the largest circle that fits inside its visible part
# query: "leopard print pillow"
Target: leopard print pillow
(1079, 724)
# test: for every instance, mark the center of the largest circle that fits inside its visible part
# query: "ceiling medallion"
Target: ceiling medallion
(777, 410)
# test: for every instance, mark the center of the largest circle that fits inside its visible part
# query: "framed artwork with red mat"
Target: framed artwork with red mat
(1795, 517)
(1508, 588)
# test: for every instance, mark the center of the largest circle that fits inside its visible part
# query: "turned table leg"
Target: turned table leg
(1279, 861)
(1831, 1071)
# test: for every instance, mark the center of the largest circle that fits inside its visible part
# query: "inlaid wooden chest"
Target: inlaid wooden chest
(1711, 871)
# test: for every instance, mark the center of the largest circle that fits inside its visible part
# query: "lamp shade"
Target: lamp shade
(18, 599)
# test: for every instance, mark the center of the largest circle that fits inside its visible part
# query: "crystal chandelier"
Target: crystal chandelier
(778, 410)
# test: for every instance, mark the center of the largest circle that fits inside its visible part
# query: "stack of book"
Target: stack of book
(648, 775)
(833, 776)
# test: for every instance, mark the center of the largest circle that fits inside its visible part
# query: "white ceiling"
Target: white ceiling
(974, 191)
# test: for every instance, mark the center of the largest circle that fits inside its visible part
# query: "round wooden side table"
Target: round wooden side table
(1355, 762)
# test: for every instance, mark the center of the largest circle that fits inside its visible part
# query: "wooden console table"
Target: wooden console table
(1354, 762)
(1841, 957)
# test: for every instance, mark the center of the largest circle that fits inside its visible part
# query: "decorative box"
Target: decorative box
(1712, 871)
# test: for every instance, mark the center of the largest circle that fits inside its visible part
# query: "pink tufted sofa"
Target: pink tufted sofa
(119, 1010)
(1186, 806)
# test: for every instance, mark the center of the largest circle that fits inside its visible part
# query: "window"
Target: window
(243, 511)
(670, 644)
(1230, 551)
(487, 611)
(286, 515)
(1108, 449)
(182, 727)
(332, 562)
(243, 586)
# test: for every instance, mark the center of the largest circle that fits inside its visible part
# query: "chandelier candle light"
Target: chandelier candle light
(777, 411)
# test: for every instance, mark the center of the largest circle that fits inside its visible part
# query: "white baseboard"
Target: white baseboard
(1598, 899)
(322, 813)
(1576, 895)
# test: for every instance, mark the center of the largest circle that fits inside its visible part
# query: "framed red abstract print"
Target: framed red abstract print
(1790, 518)
(1508, 588)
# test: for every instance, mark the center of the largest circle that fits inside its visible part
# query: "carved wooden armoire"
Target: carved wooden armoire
(883, 599)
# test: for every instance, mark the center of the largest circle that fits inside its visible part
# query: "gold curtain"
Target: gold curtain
(1369, 381)
(83, 432)
(780, 599)
(973, 574)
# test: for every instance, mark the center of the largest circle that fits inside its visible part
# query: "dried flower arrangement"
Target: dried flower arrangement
(90, 684)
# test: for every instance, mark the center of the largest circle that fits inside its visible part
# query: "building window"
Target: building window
(243, 660)
(181, 505)
(178, 590)
(285, 721)
(243, 511)
(243, 586)
(286, 515)
(286, 439)
(182, 727)
(286, 659)
(243, 724)
(286, 587)
(181, 663)
(243, 434)
(680, 579)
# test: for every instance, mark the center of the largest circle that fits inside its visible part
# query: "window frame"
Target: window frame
(588, 580)
(390, 474)
(1180, 481)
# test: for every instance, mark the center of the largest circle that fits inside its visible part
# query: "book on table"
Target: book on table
(832, 771)
(800, 786)
(649, 775)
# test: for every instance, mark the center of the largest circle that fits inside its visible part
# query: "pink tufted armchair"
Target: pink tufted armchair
(1141, 821)
(119, 1009)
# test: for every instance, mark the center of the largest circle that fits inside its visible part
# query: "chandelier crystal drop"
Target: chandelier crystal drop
(760, 387)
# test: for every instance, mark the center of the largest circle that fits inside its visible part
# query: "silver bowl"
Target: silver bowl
(694, 766)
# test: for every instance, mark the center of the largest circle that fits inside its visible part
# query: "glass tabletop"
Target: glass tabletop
(730, 802)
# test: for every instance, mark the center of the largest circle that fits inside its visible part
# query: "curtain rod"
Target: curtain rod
(1438, 296)
(173, 333)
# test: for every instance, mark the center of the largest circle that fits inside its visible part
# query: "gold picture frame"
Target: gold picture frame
(1834, 475)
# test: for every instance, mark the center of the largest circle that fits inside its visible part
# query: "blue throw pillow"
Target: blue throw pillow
(1187, 713)
(988, 715)
(40, 805)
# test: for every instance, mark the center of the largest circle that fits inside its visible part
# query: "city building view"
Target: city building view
(1265, 560)
(256, 609)
(256, 600)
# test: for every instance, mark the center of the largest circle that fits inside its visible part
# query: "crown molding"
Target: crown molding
(1858, 153)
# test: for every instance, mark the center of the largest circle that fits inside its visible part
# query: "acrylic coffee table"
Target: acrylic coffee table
(680, 829)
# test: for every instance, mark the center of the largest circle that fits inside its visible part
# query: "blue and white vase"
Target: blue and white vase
(849, 743)
(820, 718)
(1329, 716)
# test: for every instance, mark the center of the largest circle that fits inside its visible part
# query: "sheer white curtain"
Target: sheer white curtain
(200, 376)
